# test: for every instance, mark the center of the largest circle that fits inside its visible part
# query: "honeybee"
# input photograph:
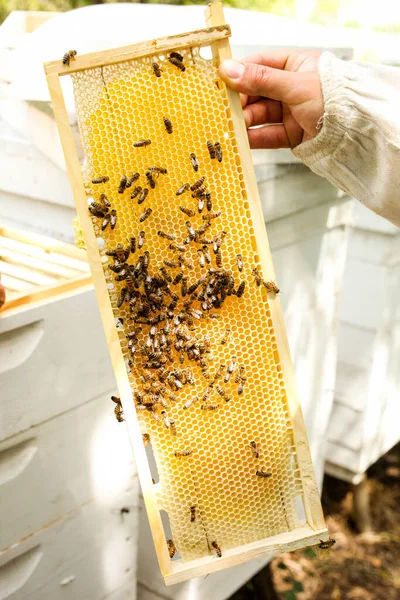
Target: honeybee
(197, 184)
(239, 260)
(187, 211)
(172, 426)
(327, 545)
(146, 439)
(200, 204)
(145, 215)
(177, 247)
(192, 514)
(105, 222)
(190, 402)
(240, 290)
(218, 258)
(171, 263)
(206, 253)
(158, 170)
(120, 253)
(218, 151)
(168, 124)
(177, 63)
(184, 286)
(156, 69)
(217, 549)
(191, 230)
(176, 55)
(209, 406)
(211, 150)
(264, 474)
(113, 218)
(207, 395)
(212, 215)
(124, 296)
(136, 191)
(254, 449)
(232, 365)
(180, 453)
(222, 393)
(151, 180)
(141, 143)
(68, 56)
(100, 179)
(143, 195)
(209, 204)
(201, 258)
(119, 413)
(257, 276)
(184, 188)
(146, 259)
(171, 548)
(166, 419)
(105, 200)
(141, 238)
(219, 372)
(98, 210)
(122, 184)
(226, 335)
(194, 161)
(199, 193)
(168, 236)
(271, 287)
(165, 274)
(131, 180)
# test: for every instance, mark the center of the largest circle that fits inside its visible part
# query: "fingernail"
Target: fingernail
(232, 69)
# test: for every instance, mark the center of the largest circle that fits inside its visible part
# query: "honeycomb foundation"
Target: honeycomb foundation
(116, 106)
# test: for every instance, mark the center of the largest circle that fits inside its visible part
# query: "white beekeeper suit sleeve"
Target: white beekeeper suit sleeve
(358, 145)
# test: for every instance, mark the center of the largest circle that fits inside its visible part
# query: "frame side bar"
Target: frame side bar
(201, 37)
(311, 498)
(106, 313)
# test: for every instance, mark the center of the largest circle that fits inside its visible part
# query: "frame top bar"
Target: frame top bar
(201, 37)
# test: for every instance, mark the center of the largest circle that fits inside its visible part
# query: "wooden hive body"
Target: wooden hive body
(119, 100)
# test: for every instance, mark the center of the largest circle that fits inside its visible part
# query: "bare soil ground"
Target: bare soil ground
(361, 566)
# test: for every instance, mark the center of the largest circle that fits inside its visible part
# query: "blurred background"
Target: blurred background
(72, 522)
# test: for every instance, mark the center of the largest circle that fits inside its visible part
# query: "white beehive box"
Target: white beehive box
(364, 423)
(65, 467)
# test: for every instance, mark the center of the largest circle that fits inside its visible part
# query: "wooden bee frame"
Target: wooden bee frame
(313, 529)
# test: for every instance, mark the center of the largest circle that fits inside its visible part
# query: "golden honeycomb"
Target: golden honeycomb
(118, 105)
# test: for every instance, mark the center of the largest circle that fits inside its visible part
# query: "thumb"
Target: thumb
(258, 80)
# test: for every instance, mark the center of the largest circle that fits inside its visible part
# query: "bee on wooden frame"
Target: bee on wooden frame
(271, 287)
(141, 143)
(171, 548)
(68, 56)
(180, 453)
(192, 514)
(100, 179)
(177, 63)
(211, 150)
(263, 474)
(216, 549)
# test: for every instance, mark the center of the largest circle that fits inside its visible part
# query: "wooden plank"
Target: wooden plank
(38, 265)
(16, 285)
(39, 245)
(117, 358)
(201, 37)
(312, 504)
(284, 542)
(44, 294)
(28, 275)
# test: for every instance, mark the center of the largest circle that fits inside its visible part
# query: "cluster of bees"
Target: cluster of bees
(165, 302)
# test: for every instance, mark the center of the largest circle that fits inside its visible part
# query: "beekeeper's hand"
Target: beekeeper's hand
(280, 89)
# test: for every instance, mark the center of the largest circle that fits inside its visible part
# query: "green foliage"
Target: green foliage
(289, 595)
(298, 586)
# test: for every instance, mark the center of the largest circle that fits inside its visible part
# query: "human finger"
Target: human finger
(276, 59)
(258, 80)
(263, 111)
(269, 137)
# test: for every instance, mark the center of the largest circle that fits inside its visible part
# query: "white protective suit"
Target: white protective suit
(358, 145)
